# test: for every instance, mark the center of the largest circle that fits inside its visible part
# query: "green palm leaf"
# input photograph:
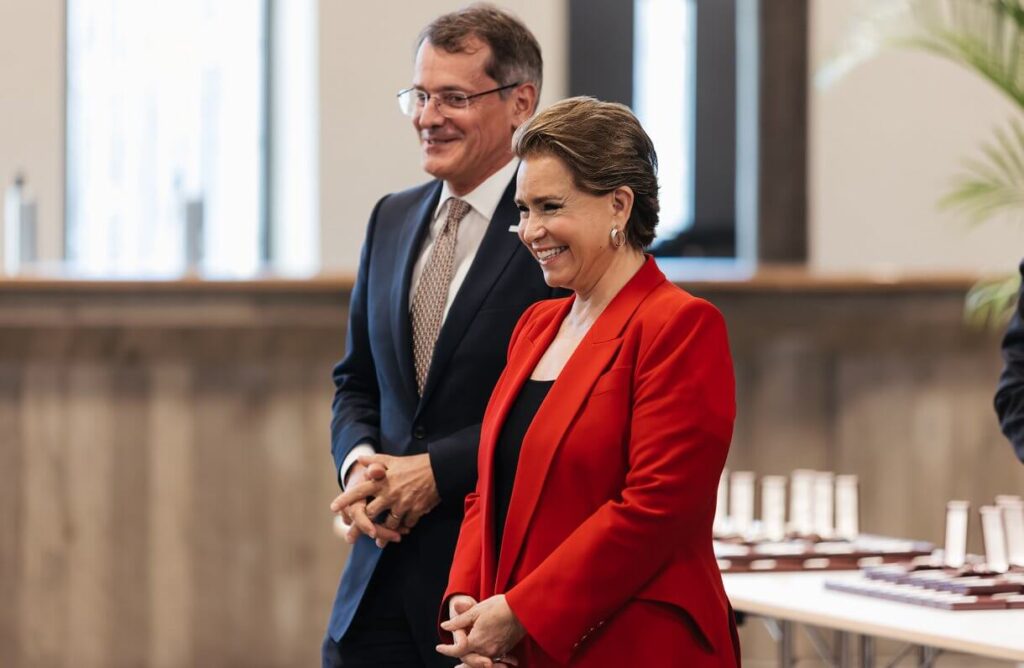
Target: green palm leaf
(982, 35)
(991, 303)
(986, 36)
(994, 183)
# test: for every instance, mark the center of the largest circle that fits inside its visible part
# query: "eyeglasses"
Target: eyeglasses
(412, 100)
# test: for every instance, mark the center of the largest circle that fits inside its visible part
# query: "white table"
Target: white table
(785, 599)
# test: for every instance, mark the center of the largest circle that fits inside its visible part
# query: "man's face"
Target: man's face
(465, 146)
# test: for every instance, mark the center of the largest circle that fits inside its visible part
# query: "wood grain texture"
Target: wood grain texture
(165, 467)
(92, 420)
(46, 528)
(171, 516)
(12, 473)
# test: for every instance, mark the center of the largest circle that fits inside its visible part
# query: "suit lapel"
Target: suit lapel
(565, 399)
(413, 230)
(496, 249)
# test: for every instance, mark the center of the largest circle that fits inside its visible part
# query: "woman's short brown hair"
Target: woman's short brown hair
(604, 147)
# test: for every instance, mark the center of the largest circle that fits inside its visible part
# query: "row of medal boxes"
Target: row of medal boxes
(810, 553)
(768, 565)
(944, 589)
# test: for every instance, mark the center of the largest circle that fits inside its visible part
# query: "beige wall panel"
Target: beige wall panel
(875, 437)
(131, 511)
(329, 553)
(231, 507)
(786, 396)
(12, 473)
(291, 509)
(172, 520)
(43, 595)
(218, 469)
(92, 419)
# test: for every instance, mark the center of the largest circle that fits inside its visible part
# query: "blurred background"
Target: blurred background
(186, 187)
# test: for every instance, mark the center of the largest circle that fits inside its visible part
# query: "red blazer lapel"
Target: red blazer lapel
(523, 359)
(568, 394)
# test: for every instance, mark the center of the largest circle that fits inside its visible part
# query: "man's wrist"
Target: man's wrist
(350, 460)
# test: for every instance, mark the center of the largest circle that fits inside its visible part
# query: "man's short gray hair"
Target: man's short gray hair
(515, 53)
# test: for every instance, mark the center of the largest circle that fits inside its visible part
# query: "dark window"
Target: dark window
(721, 87)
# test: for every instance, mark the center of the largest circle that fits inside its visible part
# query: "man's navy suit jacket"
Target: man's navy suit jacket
(376, 399)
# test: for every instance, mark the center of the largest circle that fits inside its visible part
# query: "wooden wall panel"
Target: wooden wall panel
(281, 439)
(172, 522)
(12, 472)
(91, 482)
(231, 503)
(165, 465)
(325, 552)
(786, 395)
(130, 488)
(43, 595)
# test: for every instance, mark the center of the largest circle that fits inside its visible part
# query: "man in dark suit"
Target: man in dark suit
(1010, 393)
(442, 282)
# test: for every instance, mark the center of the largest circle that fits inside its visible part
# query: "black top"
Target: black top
(506, 457)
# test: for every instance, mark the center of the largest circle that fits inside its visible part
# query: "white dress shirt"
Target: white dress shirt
(483, 201)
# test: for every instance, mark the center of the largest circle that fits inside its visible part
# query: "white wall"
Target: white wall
(32, 110)
(885, 143)
(367, 147)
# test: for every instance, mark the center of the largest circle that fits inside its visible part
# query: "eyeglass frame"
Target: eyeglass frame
(417, 109)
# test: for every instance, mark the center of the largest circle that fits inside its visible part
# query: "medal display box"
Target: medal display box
(933, 595)
(822, 531)
(806, 554)
(951, 579)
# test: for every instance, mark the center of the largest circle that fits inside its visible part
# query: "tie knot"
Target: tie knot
(457, 210)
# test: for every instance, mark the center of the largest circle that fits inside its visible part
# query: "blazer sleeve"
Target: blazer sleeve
(681, 425)
(356, 406)
(1009, 399)
(467, 565)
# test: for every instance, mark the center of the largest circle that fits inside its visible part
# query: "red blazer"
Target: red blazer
(606, 556)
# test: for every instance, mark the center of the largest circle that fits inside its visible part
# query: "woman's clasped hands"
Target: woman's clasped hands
(482, 633)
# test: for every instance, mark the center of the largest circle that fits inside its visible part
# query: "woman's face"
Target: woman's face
(568, 231)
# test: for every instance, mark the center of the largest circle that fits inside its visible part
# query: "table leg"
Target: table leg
(843, 658)
(785, 643)
(867, 652)
(926, 656)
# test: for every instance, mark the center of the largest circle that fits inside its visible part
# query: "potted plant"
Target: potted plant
(986, 37)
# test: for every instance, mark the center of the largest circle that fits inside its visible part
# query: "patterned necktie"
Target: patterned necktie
(432, 291)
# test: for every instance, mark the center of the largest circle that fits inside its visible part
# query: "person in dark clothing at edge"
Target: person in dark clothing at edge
(1009, 399)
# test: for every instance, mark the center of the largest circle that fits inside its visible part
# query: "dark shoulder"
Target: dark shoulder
(400, 202)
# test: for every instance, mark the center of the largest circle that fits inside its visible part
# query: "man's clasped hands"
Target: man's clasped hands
(384, 498)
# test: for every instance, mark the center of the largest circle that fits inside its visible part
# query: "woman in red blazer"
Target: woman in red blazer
(588, 539)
